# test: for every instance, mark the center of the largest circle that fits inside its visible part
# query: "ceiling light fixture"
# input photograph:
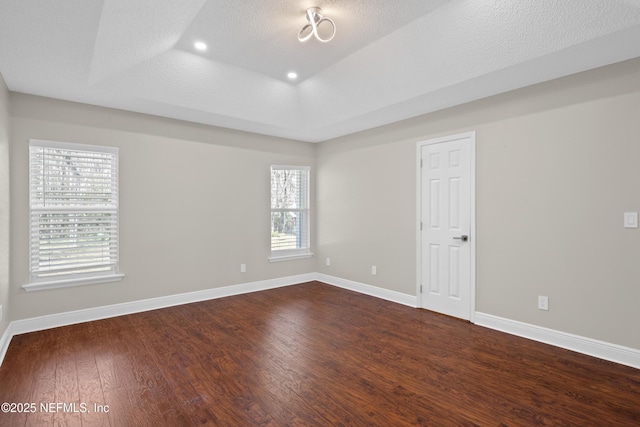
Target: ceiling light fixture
(315, 18)
(292, 75)
(200, 45)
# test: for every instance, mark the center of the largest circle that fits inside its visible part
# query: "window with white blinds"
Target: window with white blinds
(73, 193)
(289, 212)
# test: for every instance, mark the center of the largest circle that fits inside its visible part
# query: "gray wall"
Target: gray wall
(194, 203)
(4, 206)
(556, 167)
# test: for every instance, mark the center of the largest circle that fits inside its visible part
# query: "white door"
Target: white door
(446, 210)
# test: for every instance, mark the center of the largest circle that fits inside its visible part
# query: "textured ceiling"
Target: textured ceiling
(389, 60)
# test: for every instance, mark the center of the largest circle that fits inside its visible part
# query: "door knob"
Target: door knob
(464, 238)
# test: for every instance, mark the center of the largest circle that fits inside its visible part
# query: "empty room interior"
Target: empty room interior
(319, 212)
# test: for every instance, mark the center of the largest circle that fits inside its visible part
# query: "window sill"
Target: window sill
(67, 283)
(278, 258)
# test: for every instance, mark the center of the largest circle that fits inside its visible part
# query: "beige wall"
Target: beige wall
(557, 165)
(194, 203)
(366, 204)
(4, 206)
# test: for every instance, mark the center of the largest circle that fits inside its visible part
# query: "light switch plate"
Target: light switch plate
(631, 220)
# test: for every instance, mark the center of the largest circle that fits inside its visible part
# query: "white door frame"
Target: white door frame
(472, 235)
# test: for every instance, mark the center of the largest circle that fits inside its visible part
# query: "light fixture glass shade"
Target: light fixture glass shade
(315, 18)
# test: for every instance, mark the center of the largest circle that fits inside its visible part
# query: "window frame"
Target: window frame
(72, 278)
(278, 255)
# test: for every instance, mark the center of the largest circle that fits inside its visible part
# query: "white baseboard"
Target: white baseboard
(104, 312)
(4, 342)
(603, 350)
(600, 349)
(397, 297)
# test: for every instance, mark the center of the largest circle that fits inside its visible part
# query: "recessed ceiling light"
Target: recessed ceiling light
(292, 75)
(200, 45)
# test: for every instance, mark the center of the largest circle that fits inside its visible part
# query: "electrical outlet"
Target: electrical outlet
(243, 268)
(543, 302)
(374, 270)
(328, 261)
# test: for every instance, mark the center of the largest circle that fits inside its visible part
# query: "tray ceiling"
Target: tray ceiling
(389, 60)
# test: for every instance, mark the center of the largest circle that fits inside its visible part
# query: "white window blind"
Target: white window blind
(289, 210)
(73, 192)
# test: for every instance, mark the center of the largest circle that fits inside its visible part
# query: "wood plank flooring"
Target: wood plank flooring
(306, 355)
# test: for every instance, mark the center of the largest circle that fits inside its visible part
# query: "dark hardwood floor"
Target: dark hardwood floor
(306, 355)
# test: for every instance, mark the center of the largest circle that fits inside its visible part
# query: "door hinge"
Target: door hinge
(420, 288)
(420, 225)
(420, 162)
